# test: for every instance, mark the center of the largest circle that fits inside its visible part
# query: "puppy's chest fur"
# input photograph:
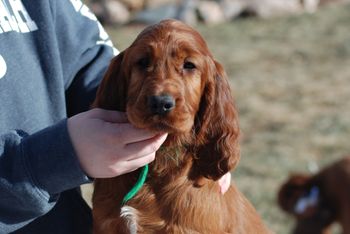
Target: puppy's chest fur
(170, 202)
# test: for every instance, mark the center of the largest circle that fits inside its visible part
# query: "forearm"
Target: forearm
(34, 170)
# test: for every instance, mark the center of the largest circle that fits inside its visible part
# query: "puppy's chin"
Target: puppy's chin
(157, 124)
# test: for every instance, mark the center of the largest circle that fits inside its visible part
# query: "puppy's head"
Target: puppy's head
(168, 63)
(168, 81)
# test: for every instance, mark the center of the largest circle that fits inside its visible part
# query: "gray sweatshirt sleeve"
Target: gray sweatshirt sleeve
(36, 167)
(84, 65)
(33, 171)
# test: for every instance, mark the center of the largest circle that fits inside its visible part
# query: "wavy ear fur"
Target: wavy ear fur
(216, 128)
(111, 94)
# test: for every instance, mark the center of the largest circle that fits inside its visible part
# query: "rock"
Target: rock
(110, 12)
(155, 4)
(232, 8)
(154, 15)
(329, 2)
(310, 6)
(272, 8)
(134, 5)
(187, 12)
(210, 12)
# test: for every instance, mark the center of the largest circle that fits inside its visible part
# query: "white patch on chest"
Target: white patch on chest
(130, 215)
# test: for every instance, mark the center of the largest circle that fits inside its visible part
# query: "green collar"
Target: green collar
(173, 153)
(140, 181)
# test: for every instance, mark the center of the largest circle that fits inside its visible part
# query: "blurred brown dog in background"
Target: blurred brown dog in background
(317, 201)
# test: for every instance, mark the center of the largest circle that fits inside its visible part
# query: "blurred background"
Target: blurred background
(289, 67)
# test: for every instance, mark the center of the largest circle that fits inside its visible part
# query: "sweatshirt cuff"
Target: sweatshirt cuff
(51, 160)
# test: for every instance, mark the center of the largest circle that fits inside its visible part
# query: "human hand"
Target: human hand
(225, 182)
(107, 145)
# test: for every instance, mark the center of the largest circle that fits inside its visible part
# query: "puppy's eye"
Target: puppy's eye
(143, 62)
(189, 66)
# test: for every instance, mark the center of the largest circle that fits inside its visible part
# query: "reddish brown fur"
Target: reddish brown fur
(181, 193)
(334, 205)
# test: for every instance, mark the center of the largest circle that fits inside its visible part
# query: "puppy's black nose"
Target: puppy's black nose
(161, 104)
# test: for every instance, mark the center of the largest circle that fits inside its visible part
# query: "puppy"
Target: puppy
(168, 81)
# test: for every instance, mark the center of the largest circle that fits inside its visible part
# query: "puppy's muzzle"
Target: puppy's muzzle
(161, 104)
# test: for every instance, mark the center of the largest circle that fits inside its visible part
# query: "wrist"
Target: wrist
(51, 160)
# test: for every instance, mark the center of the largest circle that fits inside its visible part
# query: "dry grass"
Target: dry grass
(291, 81)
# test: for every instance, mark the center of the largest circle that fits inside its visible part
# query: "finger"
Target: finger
(146, 147)
(109, 115)
(131, 134)
(140, 162)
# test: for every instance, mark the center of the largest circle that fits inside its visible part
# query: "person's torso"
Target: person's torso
(31, 79)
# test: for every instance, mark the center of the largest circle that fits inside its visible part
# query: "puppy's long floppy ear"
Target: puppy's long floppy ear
(111, 94)
(216, 127)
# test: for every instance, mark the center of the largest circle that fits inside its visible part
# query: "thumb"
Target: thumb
(109, 115)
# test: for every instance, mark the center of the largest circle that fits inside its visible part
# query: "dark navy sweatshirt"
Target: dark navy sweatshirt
(53, 54)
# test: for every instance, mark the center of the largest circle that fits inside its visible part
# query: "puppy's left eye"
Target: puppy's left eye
(189, 66)
(143, 62)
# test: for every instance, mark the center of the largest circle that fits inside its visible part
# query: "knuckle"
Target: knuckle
(151, 158)
(154, 147)
(118, 132)
(95, 111)
(114, 134)
(114, 171)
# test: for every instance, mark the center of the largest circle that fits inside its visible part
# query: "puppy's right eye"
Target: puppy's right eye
(143, 62)
(189, 66)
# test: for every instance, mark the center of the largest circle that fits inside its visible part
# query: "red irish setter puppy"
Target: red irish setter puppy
(317, 201)
(168, 81)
